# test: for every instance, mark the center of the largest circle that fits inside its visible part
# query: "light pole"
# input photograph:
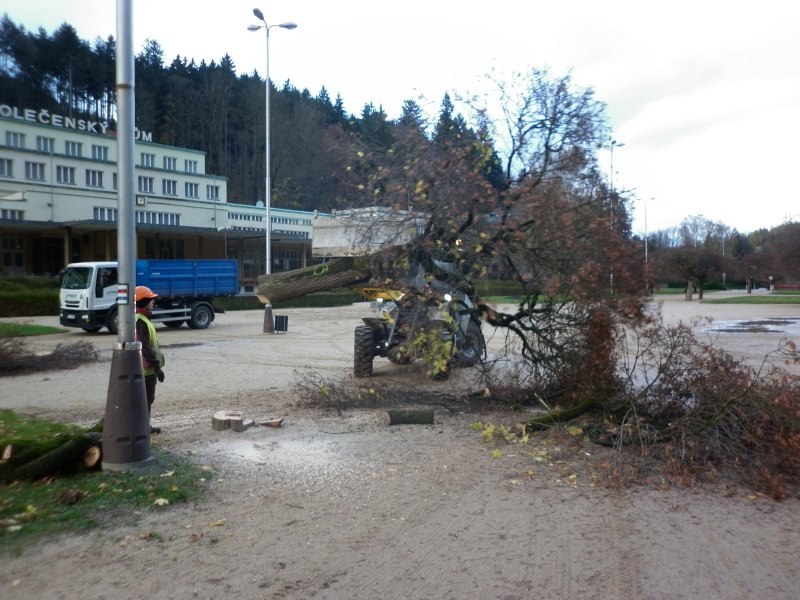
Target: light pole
(614, 143)
(288, 25)
(645, 230)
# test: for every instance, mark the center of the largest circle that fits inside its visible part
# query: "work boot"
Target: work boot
(154, 430)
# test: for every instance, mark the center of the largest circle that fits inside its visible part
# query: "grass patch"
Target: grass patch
(31, 511)
(26, 329)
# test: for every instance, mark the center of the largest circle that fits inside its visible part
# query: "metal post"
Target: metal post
(126, 427)
(268, 192)
(268, 189)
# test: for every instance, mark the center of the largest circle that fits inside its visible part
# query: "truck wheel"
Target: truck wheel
(202, 315)
(112, 321)
(472, 349)
(362, 352)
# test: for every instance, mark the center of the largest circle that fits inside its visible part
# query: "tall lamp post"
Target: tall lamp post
(614, 144)
(647, 285)
(288, 25)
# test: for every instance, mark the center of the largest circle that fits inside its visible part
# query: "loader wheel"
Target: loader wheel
(362, 352)
(473, 347)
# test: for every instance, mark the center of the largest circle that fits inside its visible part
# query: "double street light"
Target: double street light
(288, 25)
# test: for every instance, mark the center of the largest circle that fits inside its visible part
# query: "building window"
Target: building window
(94, 178)
(65, 175)
(190, 166)
(12, 214)
(34, 171)
(15, 140)
(169, 187)
(170, 163)
(212, 192)
(145, 184)
(6, 167)
(144, 217)
(45, 144)
(12, 250)
(101, 213)
(192, 190)
(114, 180)
(99, 152)
(73, 148)
(148, 160)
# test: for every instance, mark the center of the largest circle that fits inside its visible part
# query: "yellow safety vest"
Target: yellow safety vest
(153, 339)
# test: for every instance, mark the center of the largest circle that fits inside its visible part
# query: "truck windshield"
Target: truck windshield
(76, 278)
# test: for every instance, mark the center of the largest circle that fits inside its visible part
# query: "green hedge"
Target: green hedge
(38, 296)
(29, 303)
(23, 296)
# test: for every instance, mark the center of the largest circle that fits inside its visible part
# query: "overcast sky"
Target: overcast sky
(704, 94)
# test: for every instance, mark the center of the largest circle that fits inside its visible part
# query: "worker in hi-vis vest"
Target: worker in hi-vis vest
(152, 357)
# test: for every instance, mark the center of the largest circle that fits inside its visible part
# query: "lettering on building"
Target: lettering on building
(44, 117)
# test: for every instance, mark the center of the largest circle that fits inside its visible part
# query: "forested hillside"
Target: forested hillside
(206, 106)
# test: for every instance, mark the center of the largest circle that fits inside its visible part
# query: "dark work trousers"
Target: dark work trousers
(150, 387)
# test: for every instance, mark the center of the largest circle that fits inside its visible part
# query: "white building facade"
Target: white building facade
(58, 202)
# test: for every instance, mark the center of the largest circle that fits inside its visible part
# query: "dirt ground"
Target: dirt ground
(346, 507)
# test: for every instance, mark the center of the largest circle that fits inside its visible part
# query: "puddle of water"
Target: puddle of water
(787, 327)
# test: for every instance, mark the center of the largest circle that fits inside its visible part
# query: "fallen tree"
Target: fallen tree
(337, 272)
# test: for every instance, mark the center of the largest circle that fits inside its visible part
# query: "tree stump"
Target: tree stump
(423, 416)
(225, 419)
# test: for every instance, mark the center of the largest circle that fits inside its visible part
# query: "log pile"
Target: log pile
(80, 451)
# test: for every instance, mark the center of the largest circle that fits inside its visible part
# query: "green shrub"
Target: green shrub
(29, 303)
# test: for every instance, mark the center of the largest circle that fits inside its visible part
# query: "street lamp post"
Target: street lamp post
(288, 25)
(614, 143)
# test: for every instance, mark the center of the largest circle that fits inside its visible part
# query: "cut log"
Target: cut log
(271, 423)
(92, 457)
(62, 458)
(421, 416)
(338, 272)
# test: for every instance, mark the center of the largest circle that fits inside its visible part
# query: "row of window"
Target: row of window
(12, 214)
(15, 139)
(102, 213)
(35, 171)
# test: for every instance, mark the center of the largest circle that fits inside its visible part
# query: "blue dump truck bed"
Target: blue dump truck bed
(189, 278)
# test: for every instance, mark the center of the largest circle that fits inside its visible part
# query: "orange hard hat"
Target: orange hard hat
(144, 293)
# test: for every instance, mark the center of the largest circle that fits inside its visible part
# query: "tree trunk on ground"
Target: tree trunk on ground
(409, 417)
(561, 416)
(65, 457)
(338, 272)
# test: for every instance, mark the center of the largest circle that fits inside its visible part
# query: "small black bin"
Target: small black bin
(281, 323)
